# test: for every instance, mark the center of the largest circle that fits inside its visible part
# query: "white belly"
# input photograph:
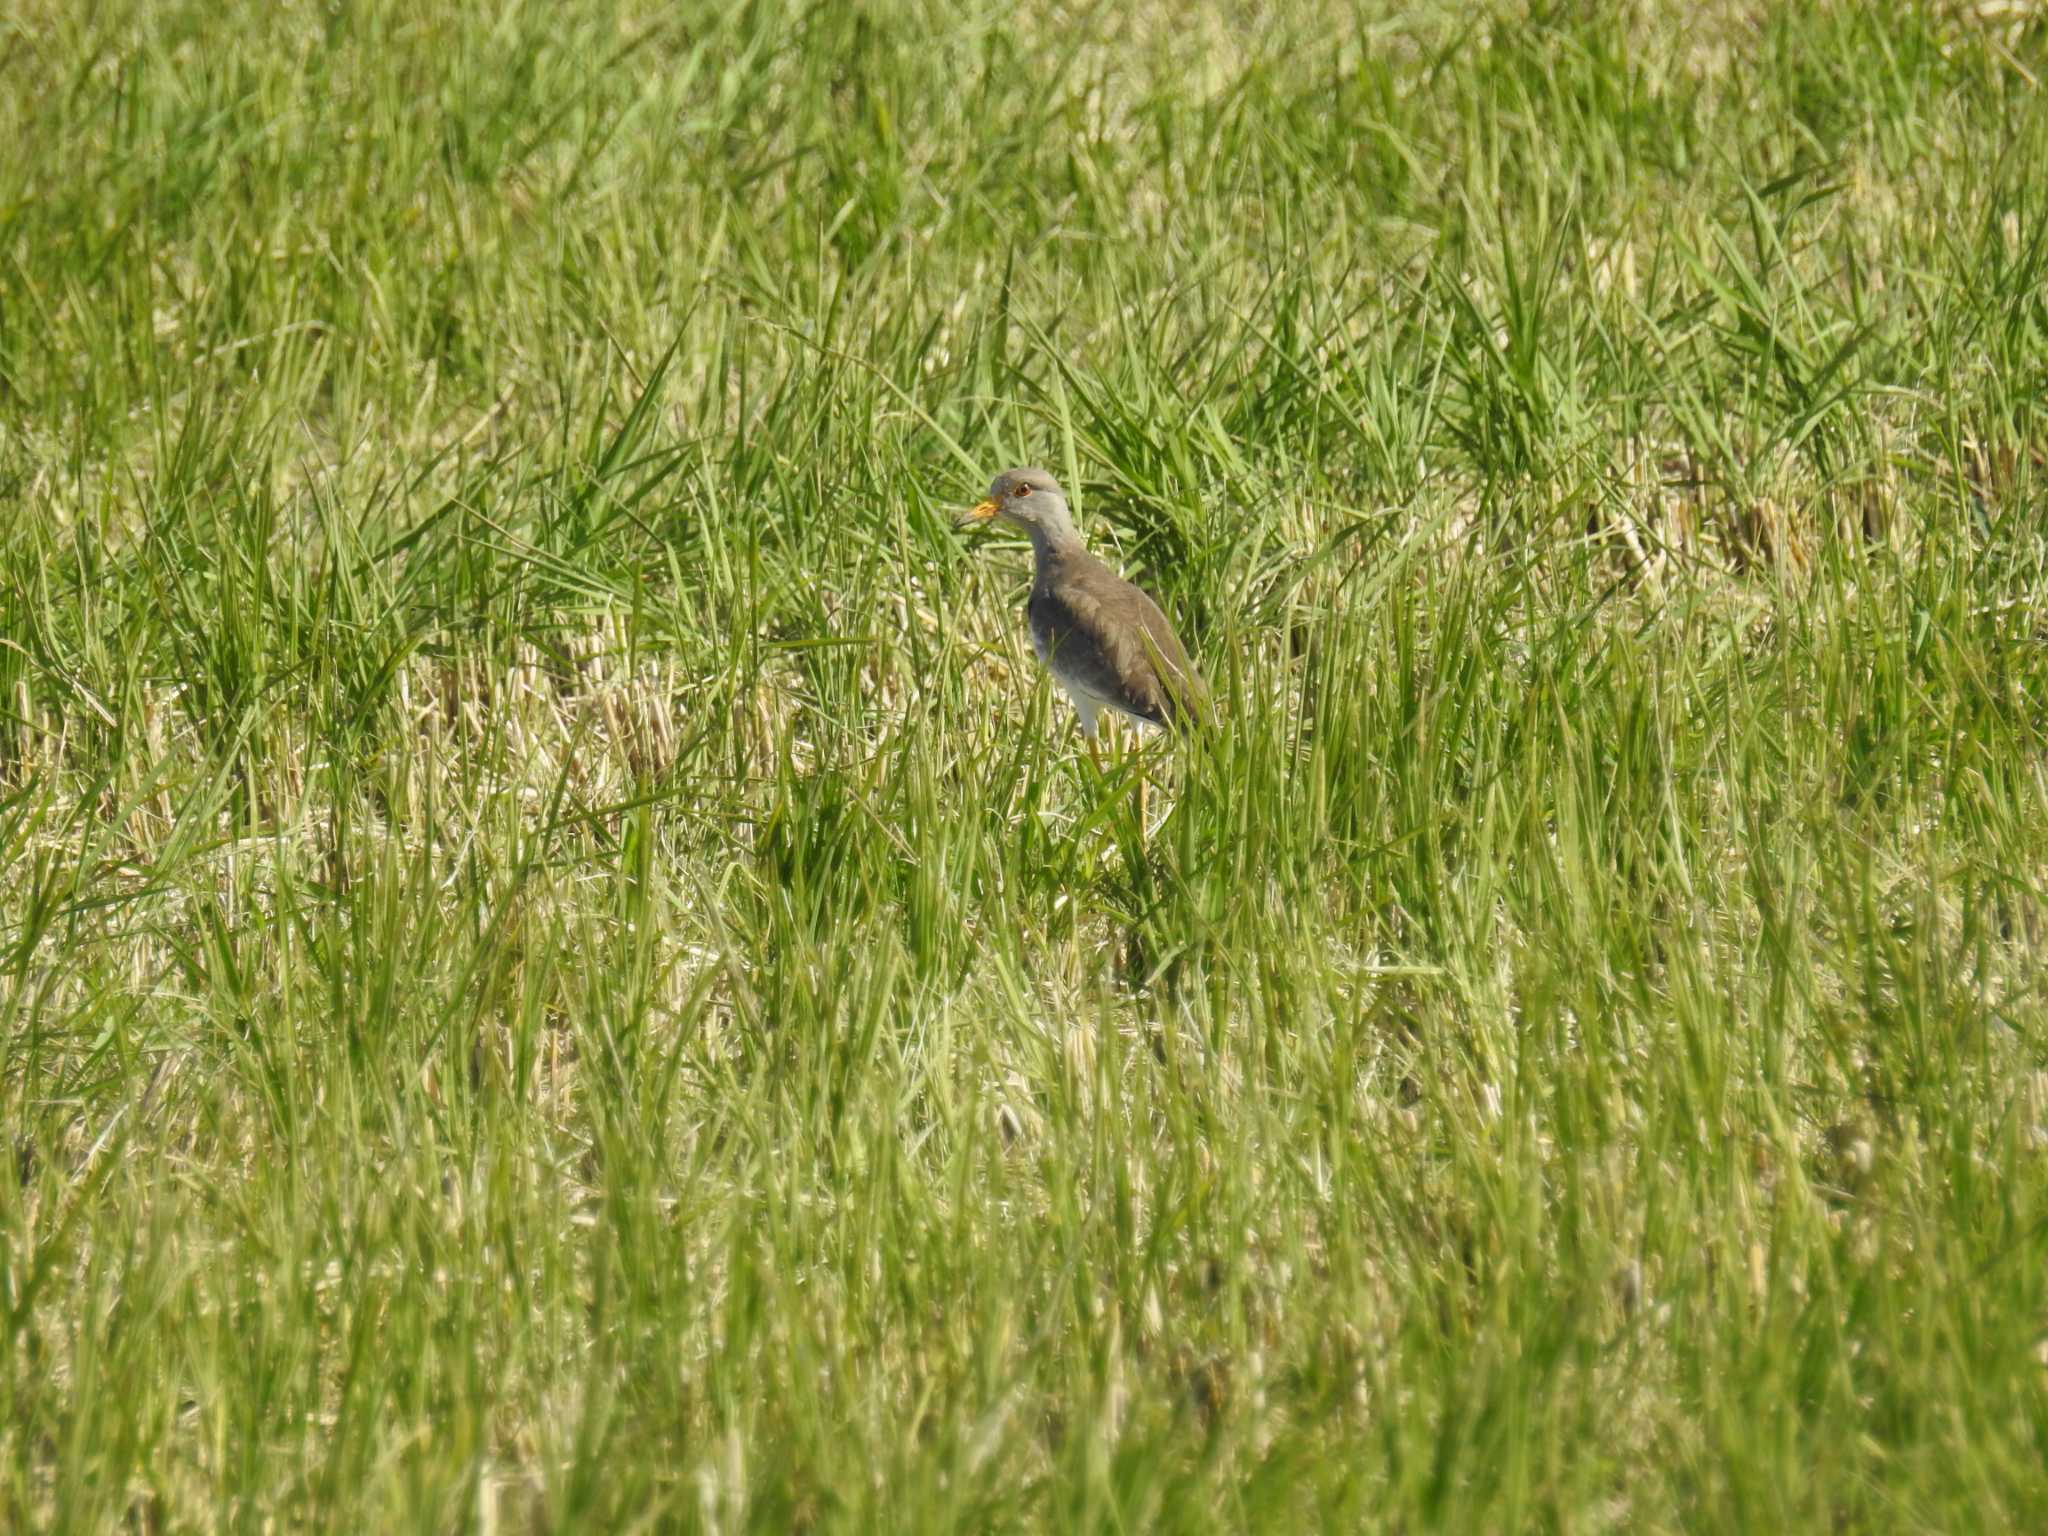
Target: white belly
(1087, 705)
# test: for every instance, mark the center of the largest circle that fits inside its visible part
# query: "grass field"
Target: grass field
(561, 966)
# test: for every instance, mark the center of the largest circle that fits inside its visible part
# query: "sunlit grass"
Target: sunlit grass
(561, 966)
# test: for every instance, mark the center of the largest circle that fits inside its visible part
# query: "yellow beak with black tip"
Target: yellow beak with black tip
(981, 512)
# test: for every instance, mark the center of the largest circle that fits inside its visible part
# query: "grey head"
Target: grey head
(1032, 500)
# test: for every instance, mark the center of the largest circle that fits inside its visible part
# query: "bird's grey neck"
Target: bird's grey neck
(1051, 542)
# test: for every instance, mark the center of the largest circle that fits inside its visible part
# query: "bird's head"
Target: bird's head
(1029, 498)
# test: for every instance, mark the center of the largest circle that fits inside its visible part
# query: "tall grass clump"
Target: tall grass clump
(561, 968)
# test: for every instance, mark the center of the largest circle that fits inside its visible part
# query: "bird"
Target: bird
(1104, 641)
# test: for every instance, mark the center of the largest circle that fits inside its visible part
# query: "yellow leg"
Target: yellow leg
(1127, 751)
(1121, 748)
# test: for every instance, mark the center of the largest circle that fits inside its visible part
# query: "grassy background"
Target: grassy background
(560, 968)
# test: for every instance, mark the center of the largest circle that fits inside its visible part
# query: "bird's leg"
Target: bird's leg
(1127, 752)
(1094, 756)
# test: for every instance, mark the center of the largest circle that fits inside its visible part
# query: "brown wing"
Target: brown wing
(1113, 641)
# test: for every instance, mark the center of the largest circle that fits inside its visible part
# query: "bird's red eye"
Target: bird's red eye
(1020, 489)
